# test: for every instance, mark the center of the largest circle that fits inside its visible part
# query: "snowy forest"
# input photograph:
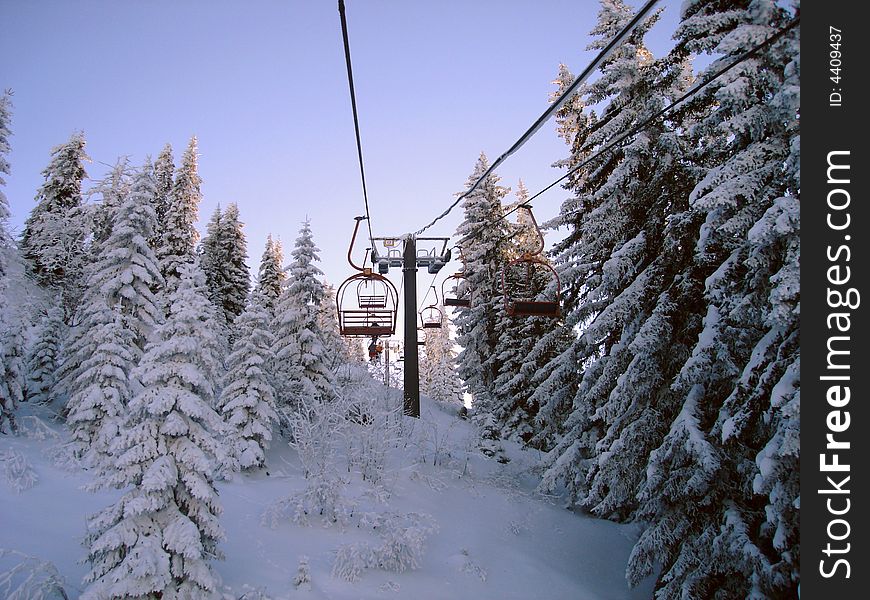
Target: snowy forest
(164, 373)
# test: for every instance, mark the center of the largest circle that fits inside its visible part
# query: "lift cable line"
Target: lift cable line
(362, 170)
(641, 126)
(555, 106)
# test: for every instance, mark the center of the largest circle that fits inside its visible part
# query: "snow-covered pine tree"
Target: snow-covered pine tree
(6, 243)
(438, 377)
(211, 258)
(483, 235)
(156, 541)
(178, 234)
(113, 189)
(164, 167)
(44, 356)
(247, 401)
(12, 373)
(11, 338)
(128, 268)
(119, 288)
(733, 448)
(301, 363)
(271, 275)
(53, 241)
(97, 409)
(514, 410)
(623, 252)
(223, 254)
(339, 350)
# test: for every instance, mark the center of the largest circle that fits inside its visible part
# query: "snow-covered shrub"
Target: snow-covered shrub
(470, 566)
(375, 426)
(351, 560)
(34, 428)
(303, 574)
(19, 474)
(401, 547)
(25, 577)
(402, 540)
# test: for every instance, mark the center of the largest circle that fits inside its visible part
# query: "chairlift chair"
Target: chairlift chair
(367, 302)
(522, 295)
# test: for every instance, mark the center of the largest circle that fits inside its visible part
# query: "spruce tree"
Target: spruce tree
(271, 275)
(438, 377)
(11, 338)
(113, 190)
(483, 235)
(164, 167)
(128, 268)
(156, 541)
(247, 401)
(53, 241)
(301, 368)
(224, 252)
(44, 357)
(179, 236)
(6, 243)
(732, 448)
(622, 253)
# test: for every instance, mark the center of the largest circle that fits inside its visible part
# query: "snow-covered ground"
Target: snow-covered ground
(493, 535)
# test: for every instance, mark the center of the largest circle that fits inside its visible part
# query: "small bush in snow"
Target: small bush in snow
(469, 566)
(19, 474)
(351, 560)
(303, 574)
(25, 577)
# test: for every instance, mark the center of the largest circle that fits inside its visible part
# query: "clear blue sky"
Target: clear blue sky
(262, 84)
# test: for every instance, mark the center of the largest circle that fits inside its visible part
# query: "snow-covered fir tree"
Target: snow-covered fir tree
(128, 267)
(223, 255)
(622, 252)
(438, 378)
(6, 243)
(119, 288)
(159, 537)
(44, 356)
(340, 351)
(247, 401)
(164, 168)
(271, 275)
(97, 408)
(178, 233)
(483, 236)
(54, 237)
(301, 367)
(12, 368)
(725, 478)
(11, 339)
(113, 189)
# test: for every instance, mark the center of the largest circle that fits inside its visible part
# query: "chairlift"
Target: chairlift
(431, 316)
(367, 302)
(459, 300)
(522, 291)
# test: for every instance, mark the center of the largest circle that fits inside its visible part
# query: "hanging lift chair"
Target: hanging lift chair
(458, 300)
(367, 302)
(523, 289)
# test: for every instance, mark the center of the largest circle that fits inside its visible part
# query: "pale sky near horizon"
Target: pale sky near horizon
(263, 86)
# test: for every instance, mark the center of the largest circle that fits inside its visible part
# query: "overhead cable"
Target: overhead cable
(555, 106)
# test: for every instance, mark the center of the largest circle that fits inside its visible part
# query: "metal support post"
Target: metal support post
(412, 368)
